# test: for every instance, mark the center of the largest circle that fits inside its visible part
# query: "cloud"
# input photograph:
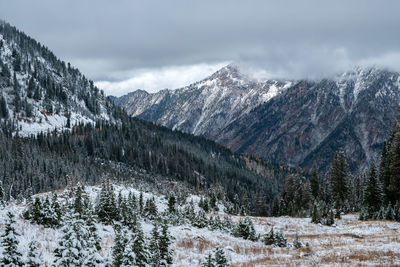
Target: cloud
(153, 80)
(298, 39)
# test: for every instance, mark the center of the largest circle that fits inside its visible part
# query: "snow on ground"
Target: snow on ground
(350, 242)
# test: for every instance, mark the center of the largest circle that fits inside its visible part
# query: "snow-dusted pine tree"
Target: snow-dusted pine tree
(200, 220)
(139, 247)
(297, 243)
(154, 247)
(34, 259)
(220, 258)
(106, 208)
(165, 242)
(76, 247)
(9, 241)
(1, 195)
(121, 242)
(209, 261)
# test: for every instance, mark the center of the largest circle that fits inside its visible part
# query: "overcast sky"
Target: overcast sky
(125, 45)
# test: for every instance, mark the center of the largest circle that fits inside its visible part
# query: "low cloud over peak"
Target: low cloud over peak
(293, 39)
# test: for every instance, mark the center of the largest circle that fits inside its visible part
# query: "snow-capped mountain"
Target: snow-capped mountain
(295, 123)
(39, 92)
(206, 107)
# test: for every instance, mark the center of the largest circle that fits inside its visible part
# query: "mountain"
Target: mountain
(39, 92)
(292, 122)
(206, 107)
(56, 127)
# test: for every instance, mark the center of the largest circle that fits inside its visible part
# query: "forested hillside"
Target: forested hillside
(56, 126)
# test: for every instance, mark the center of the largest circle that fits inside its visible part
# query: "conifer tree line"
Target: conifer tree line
(50, 80)
(374, 193)
(382, 186)
(89, 152)
(74, 213)
(79, 245)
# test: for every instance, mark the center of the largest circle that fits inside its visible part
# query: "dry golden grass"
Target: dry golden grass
(198, 244)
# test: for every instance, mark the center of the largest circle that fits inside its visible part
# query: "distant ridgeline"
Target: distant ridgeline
(56, 124)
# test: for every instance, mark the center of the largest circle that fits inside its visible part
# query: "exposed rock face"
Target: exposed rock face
(293, 123)
(206, 107)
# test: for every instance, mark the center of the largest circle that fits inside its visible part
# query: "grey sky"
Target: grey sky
(116, 41)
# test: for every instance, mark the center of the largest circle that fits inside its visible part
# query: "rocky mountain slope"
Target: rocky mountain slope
(294, 123)
(206, 107)
(39, 92)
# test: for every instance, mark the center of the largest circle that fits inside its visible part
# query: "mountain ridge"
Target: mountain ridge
(361, 102)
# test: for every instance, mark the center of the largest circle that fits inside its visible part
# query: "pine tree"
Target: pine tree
(154, 247)
(389, 214)
(139, 248)
(106, 208)
(220, 258)
(31, 88)
(314, 184)
(34, 258)
(165, 242)
(209, 261)
(78, 202)
(372, 193)
(129, 257)
(3, 108)
(245, 229)
(396, 211)
(338, 179)
(9, 241)
(297, 243)
(269, 239)
(121, 243)
(76, 247)
(200, 219)
(280, 240)
(315, 215)
(150, 209)
(17, 96)
(329, 219)
(37, 94)
(141, 203)
(57, 209)
(171, 203)
(189, 212)
(393, 188)
(1, 195)
(363, 214)
(132, 202)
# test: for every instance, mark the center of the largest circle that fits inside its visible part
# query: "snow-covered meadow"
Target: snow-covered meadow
(348, 242)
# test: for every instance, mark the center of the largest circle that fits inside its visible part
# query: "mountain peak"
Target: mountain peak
(230, 72)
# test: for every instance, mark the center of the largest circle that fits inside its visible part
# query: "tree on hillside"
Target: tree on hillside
(314, 183)
(9, 241)
(3, 108)
(34, 258)
(216, 259)
(77, 247)
(106, 208)
(338, 179)
(121, 251)
(393, 187)
(164, 244)
(384, 173)
(373, 192)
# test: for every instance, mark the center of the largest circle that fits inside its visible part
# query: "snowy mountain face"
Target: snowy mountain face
(206, 107)
(294, 123)
(41, 93)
